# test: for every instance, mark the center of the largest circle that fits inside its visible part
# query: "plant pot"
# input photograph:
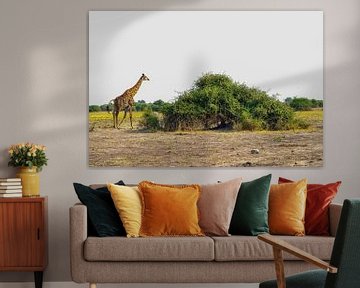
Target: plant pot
(30, 181)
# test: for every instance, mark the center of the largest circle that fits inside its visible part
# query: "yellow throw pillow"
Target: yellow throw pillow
(287, 204)
(127, 201)
(169, 210)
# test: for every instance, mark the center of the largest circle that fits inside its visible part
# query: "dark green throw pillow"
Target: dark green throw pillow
(250, 216)
(103, 218)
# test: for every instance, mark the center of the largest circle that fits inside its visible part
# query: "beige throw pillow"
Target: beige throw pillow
(216, 206)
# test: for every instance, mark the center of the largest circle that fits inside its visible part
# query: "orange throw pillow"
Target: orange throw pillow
(319, 197)
(169, 210)
(287, 204)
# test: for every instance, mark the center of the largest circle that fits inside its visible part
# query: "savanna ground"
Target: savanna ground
(221, 148)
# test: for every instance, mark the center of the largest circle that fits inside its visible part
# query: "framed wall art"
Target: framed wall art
(205, 88)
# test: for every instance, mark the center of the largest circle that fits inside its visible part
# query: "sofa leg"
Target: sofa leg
(92, 285)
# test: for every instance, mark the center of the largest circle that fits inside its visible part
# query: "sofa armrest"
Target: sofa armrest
(78, 235)
(334, 216)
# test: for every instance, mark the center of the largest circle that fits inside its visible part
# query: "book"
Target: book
(10, 191)
(10, 180)
(9, 183)
(4, 195)
(10, 187)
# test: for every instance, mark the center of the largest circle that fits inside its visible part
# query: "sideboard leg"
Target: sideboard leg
(38, 279)
(92, 285)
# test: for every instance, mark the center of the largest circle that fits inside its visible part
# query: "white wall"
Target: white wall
(43, 90)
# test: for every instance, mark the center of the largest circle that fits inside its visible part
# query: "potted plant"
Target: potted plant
(30, 158)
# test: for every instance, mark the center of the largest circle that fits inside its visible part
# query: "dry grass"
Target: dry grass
(132, 148)
(313, 117)
(105, 119)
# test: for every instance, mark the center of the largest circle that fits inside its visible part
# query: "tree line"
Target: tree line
(303, 104)
(217, 101)
(140, 105)
(297, 103)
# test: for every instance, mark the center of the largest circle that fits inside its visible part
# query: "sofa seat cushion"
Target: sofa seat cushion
(244, 248)
(149, 249)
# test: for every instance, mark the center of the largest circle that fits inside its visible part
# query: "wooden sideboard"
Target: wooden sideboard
(23, 235)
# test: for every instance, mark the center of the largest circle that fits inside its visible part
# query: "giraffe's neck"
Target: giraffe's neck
(133, 90)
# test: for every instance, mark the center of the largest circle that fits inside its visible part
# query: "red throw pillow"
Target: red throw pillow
(319, 197)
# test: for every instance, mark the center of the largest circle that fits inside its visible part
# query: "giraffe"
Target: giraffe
(126, 101)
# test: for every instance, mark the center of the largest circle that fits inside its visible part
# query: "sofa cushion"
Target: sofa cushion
(149, 249)
(244, 248)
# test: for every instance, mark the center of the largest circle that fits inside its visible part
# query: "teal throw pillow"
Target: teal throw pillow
(250, 216)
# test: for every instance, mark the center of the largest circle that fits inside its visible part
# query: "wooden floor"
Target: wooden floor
(74, 285)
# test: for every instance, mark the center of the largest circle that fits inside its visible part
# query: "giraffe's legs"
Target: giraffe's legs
(116, 118)
(122, 120)
(130, 115)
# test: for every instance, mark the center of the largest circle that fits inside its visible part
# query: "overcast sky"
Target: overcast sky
(280, 52)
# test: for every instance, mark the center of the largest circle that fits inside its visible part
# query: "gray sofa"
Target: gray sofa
(234, 259)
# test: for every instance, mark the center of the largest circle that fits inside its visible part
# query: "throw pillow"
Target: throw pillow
(102, 214)
(216, 206)
(250, 215)
(169, 210)
(287, 204)
(319, 197)
(127, 201)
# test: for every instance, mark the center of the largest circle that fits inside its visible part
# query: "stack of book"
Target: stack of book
(10, 187)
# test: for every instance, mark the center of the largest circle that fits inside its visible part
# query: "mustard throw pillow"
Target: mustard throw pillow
(169, 210)
(127, 201)
(287, 204)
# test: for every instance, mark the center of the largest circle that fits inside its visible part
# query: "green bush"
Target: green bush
(157, 105)
(303, 104)
(150, 121)
(299, 124)
(216, 101)
(249, 123)
(94, 108)
(141, 105)
(107, 107)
